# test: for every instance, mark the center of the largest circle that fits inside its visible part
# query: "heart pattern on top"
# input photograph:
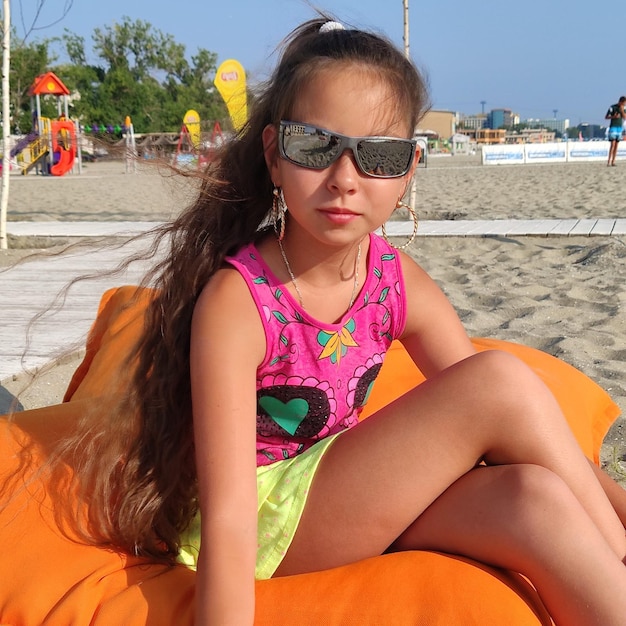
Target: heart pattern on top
(288, 415)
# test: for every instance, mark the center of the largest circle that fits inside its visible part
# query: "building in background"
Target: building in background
(490, 136)
(441, 123)
(501, 118)
(460, 143)
(530, 135)
(559, 126)
(472, 122)
(448, 132)
(437, 128)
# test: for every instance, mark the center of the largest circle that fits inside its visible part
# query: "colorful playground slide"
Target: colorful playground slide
(63, 147)
(35, 149)
(64, 163)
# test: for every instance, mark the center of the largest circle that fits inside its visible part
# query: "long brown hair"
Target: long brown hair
(141, 497)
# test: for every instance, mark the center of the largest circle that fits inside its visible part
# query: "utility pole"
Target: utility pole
(407, 52)
(405, 5)
(6, 122)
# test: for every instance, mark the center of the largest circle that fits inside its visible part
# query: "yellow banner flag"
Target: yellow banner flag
(230, 81)
(192, 122)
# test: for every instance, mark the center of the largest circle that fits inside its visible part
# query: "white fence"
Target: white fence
(561, 152)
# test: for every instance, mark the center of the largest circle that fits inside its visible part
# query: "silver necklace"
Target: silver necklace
(294, 282)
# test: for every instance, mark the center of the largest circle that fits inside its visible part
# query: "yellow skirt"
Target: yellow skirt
(282, 488)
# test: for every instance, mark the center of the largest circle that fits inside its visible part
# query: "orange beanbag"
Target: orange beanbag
(50, 578)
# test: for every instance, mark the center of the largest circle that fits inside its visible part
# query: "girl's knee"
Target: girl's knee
(507, 379)
(535, 492)
(498, 366)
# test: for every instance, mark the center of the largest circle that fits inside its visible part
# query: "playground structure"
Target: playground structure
(51, 147)
(191, 147)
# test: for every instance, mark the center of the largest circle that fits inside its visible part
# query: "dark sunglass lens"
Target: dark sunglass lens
(309, 147)
(384, 157)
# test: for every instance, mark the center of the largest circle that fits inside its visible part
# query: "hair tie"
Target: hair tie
(328, 26)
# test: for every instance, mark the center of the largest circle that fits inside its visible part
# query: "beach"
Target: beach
(563, 295)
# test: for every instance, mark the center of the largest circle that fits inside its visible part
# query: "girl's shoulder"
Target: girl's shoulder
(225, 309)
(228, 285)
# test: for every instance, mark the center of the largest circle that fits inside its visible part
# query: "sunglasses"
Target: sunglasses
(316, 148)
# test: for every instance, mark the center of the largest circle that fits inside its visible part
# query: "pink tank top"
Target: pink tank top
(315, 378)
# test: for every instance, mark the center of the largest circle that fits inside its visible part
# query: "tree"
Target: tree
(140, 72)
(132, 69)
(28, 60)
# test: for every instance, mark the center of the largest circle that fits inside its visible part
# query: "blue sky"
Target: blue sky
(532, 57)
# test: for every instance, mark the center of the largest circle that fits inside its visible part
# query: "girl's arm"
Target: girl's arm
(227, 344)
(433, 335)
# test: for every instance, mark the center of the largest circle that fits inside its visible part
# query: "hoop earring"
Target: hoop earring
(279, 213)
(411, 210)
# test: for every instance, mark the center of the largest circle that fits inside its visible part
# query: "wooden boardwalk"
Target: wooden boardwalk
(512, 228)
(31, 287)
(428, 228)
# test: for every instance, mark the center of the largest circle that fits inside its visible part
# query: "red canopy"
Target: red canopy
(48, 84)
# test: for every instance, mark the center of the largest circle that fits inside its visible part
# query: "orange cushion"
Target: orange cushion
(50, 578)
(46, 575)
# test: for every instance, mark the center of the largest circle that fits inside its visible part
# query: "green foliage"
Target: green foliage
(27, 62)
(132, 70)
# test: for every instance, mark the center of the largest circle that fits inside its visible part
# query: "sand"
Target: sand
(562, 295)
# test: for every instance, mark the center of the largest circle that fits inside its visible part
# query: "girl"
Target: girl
(273, 313)
(291, 329)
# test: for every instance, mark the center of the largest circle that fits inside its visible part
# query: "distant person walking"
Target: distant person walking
(617, 115)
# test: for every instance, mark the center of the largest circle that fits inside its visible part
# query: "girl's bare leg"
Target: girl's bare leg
(378, 478)
(524, 518)
(615, 493)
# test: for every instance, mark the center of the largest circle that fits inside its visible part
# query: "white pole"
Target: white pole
(407, 52)
(133, 147)
(405, 4)
(6, 122)
(79, 146)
